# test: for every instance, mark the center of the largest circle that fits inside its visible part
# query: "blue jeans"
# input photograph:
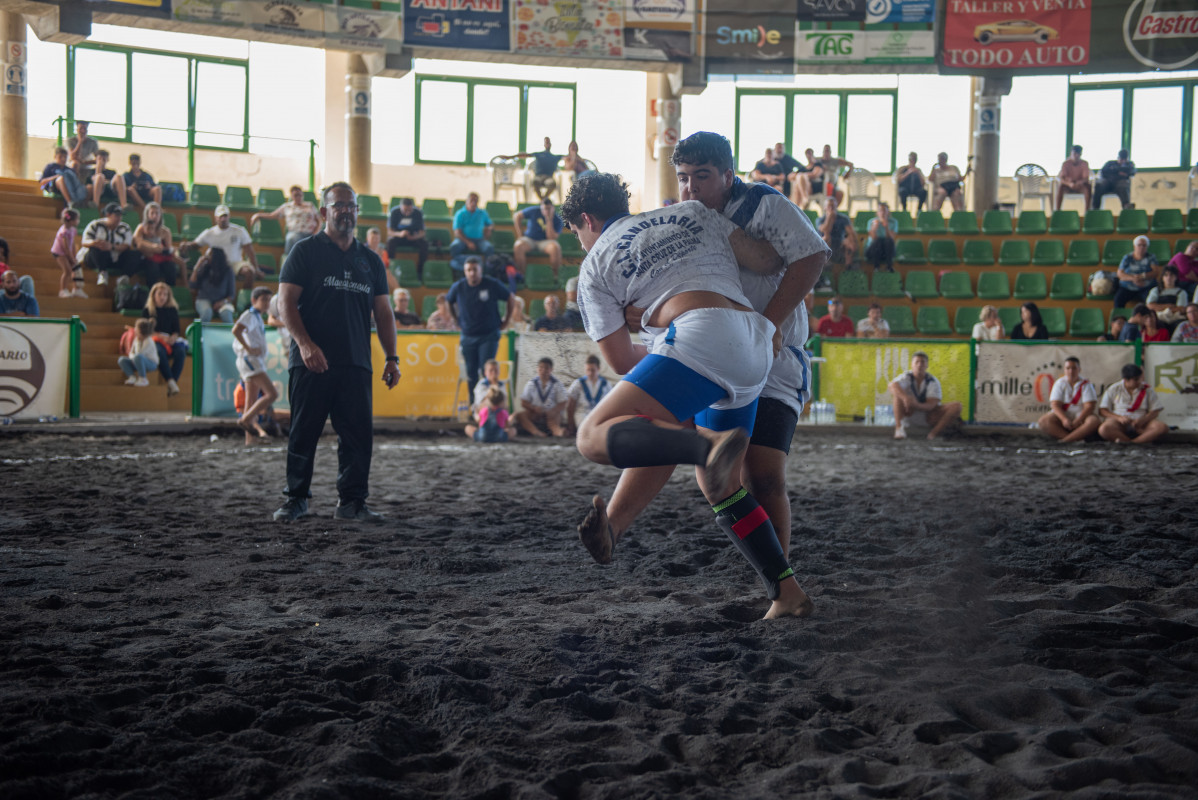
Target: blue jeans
(170, 364)
(476, 351)
(483, 249)
(137, 365)
(1129, 291)
(204, 308)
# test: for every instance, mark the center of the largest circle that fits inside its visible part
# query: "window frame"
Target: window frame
(1187, 153)
(470, 83)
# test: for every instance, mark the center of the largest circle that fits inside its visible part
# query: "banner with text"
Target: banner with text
(857, 373)
(760, 41)
(219, 379)
(831, 10)
(672, 13)
(865, 47)
(430, 367)
(469, 24)
(890, 11)
(34, 362)
(1172, 371)
(583, 29)
(653, 44)
(1016, 34)
(1014, 380)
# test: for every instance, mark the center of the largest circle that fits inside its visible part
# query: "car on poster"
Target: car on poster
(1014, 30)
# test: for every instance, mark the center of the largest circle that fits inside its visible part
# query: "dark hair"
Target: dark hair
(473, 260)
(324, 193)
(1140, 308)
(81, 122)
(259, 291)
(1077, 148)
(919, 354)
(112, 208)
(1123, 154)
(1074, 359)
(1034, 312)
(69, 213)
(703, 147)
(404, 201)
(297, 186)
(4, 247)
(103, 153)
(61, 149)
(213, 267)
(1171, 270)
(872, 306)
(1130, 371)
(602, 195)
(133, 156)
(546, 360)
(593, 359)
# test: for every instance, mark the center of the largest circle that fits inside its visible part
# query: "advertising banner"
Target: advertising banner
(653, 44)
(219, 379)
(756, 42)
(857, 373)
(1014, 35)
(1014, 380)
(362, 29)
(287, 16)
(832, 10)
(677, 13)
(1172, 371)
(214, 12)
(890, 11)
(1145, 34)
(469, 24)
(584, 29)
(34, 362)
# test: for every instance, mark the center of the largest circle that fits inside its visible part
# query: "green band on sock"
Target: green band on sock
(786, 574)
(718, 507)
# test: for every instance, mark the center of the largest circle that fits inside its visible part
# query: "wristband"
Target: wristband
(393, 358)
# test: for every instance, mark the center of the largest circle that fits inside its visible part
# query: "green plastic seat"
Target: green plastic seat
(243, 300)
(906, 224)
(978, 252)
(187, 307)
(1067, 286)
(571, 247)
(1192, 221)
(1099, 222)
(1180, 247)
(909, 251)
(852, 283)
(1124, 311)
(956, 286)
(1168, 220)
(1083, 253)
(887, 284)
(1014, 253)
(310, 196)
(540, 277)
(963, 223)
(438, 238)
(536, 308)
(1049, 253)
(267, 232)
(812, 214)
(405, 273)
(239, 198)
(169, 190)
(171, 224)
(1032, 223)
(566, 272)
(994, 286)
(438, 274)
(1054, 320)
(204, 194)
(131, 217)
(996, 223)
(499, 212)
(239, 221)
(86, 217)
(270, 199)
(1114, 251)
(856, 312)
(427, 306)
(1086, 322)
(921, 284)
(930, 222)
(1132, 221)
(194, 225)
(899, 319)
(861, 221)
(1065, 223)
(503, 239)
(933, 321)
(1030, 286)
(458, 205)
(369, 205)
(965, 318)
(1161, 249)
(268, 264)
(943, 252)
(1009, 316)
(436, 209)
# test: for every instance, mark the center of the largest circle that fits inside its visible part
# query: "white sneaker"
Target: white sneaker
(65, 293)
(900, 430)
(142, 382)
(102, 279)
(132, 379)
(172, 388)
(79, 293)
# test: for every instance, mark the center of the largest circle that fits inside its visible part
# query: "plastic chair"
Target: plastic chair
(436, 210)
(186, 303)
(1192, 191)
(369, 205)
(540, 277)
(171, 224)
(864, 187)
(857, 312)
(1067, 286)
(921, 284)
(503, 240)
(204, 194)
(131, 217)
(1114, 251)
(267, 232)
(1083, 253)
(1160, 248)
(1049, 253)
(239, 198)
(943, 251)
(1099, 222)
(861, 221)
(909, 251)
(505, 174)
(1132, 221)
(407, 277)
(996, 223)
(906, 225)
(1014, 253)
(571, 247)
(1054, 320)
(270, 199)
(243, 300)
(963, 223)
(566, 272)
(1086, 323)
(267, 262)
(1192, 220)
(1124, 312)
(193, 225)
(978, 252)
(930, 222)
(1009, 317)
(1032, 182)
(536, 309)
(438, 238)
(1032, 223)
(899, 319)
(1180, 247)
(1030, 286)
(965, 318)
(933, 321)
(499, 212)
(955, 286)
(852, 283)
(1167, 220)
(427, 306)
(993, 286)
(887, 284)
(1065, 223)
(438, 275)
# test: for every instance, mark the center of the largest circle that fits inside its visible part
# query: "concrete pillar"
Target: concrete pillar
(668, 124)
(357, 125)
(987, 117)
(14, 140)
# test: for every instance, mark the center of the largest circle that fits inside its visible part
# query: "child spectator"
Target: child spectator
(143, 355)
(374, 240)
(249, 345)
(63, 250)
(1167, 298)
(163, 310)
(543, 402)
(490, 380)
(585, 393)
(494, 421)
(215, 286)
(60, 179)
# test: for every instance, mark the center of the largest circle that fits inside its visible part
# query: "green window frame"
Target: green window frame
(192, 90)
(1187, 153)
(842, 97)
(470, 89)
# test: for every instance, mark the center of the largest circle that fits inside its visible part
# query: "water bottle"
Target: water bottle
(869, 415)
(463, 411)
(830, 410)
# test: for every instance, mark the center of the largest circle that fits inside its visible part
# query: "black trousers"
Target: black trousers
(343, 394)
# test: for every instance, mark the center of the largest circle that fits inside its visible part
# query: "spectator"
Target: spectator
(786, 160)
(81, 152)
(946, 184)
(1187, 330)
(879, 247)
(1115, 177)
(374, 243)
(1168, 299)
(472, 228)
(1074, 177)
(490, 380)
(585, 393)
(917, 398)
(1115, 333)
(442, 319)
(1137, 274)
(872, 326)
(13, 301)
(405, 231)
(215, 287)
(837, 232)
(474, 303)
(1073, 400)
(989, 326)
(1151, 329)
(63, 250)
(571, 314)
(249, 346)
(153, 240)
(1129, 410)
(494, 421)
(1186, 264)
(572, 161)
(831, 166)
(553, 319)
(108, 246)
(60, 179)
(911, 182)
(105, 184)
(1131, 331)
(401, 301)
(809, 184)
(541, 226)
(142, 357)
(771, 173)
(140, 185)
(163, 311)
(543, 402)
(835, 324)
(25, 282)
(1032, 325)
(232, 239)
(300, 218)
(544, 164)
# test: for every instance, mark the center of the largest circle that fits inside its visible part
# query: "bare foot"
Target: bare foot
(724, 458)
(793, 602)
(596, 533)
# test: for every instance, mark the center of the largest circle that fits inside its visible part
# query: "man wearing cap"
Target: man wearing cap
(108, 246)
(232, 239)
(835, 324)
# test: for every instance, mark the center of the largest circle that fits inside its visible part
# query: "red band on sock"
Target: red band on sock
(743, 527)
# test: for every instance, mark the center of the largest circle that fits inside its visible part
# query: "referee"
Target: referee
(329, 287)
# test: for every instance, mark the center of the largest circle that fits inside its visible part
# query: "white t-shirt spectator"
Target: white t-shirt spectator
(866, 327)
(587, 394)
(1116, 398)
(1074, 397)
(544, 398)
(230, 239)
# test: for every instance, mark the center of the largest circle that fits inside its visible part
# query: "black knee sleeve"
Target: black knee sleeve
(750, 529)
(637, 442)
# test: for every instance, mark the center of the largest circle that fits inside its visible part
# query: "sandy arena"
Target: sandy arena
(996, 617)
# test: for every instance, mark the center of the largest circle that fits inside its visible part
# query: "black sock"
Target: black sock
(750, 529)
(637, 442)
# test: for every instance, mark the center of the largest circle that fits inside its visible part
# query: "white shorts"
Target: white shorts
(789, 380)
(538, 245)
(732, 349)
(248, 366)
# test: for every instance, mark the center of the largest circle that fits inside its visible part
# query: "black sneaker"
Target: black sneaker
(295, 508)
(356, 511)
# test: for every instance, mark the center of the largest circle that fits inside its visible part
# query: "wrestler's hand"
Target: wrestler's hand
(777, 342)
(313, 358)
(632, 316)
(391, 374)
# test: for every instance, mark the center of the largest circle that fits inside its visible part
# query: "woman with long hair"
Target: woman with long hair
(163, 310)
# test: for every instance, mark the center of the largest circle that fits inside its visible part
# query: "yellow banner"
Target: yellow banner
(856, 373)
(430, 368)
